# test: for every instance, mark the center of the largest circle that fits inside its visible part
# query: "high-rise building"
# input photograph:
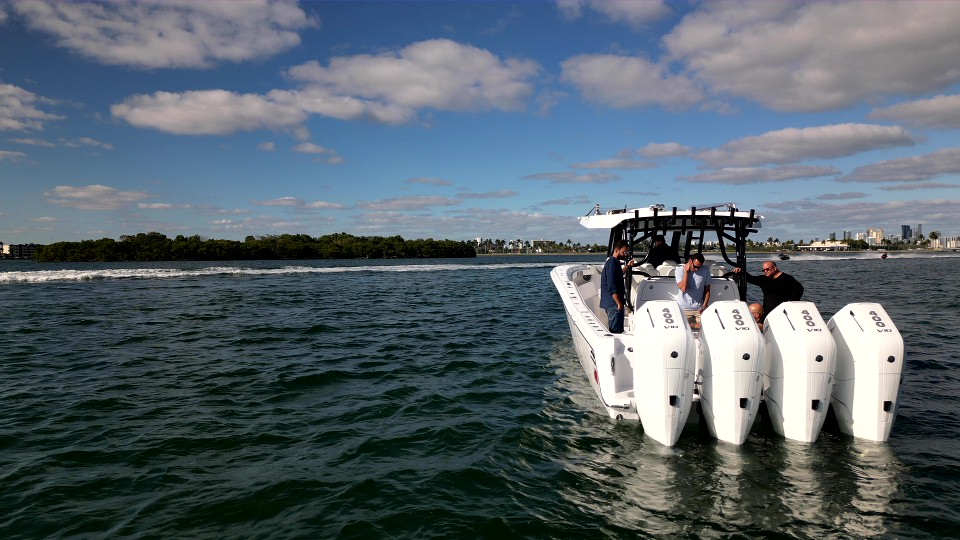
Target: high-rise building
(906, 232)
(919, 231)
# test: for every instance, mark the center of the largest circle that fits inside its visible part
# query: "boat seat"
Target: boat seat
(648, 269)
(659, 288)
(718, 269)
(668, 268)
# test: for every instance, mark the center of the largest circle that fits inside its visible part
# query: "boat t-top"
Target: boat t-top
(662, 367)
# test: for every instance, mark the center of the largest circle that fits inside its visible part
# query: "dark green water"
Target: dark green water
(419, 399)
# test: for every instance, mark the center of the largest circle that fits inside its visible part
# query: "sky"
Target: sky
(459, 120)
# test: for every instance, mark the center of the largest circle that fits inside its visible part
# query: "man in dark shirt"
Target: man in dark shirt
(612, 290)
(777, 286)
(662, 252)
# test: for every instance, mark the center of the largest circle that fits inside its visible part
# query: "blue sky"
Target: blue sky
(458, 120)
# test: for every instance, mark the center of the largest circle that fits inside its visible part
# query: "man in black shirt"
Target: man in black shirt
(662, 252)
(777, 286)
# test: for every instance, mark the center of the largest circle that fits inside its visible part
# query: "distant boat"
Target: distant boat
(883, 256)
(784, 257)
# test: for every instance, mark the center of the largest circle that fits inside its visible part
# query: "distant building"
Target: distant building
(19, 251)
(906, 232)
(825, 245)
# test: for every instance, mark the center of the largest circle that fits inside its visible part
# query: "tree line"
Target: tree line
(154, 246)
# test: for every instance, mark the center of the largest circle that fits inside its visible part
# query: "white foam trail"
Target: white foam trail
(46, 276)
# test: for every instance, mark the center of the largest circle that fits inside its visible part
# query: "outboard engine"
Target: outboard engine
(732, 370)
(870, 360)
(801, 373)
(663, 359)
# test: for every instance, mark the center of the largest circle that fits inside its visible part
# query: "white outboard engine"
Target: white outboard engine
(732, 370)
(866, 393)
(801, 373)
(664, 356)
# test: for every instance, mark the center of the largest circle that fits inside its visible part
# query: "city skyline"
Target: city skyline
(457, 120)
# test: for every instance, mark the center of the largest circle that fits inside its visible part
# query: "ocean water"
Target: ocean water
(421, 399)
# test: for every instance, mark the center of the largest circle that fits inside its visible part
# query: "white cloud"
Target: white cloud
(93, 197)
(267, 146)
(293, 202)
(574, 178)
(909, 169)
(165, 34)
(632, 12)
(10, 155)
(923, 185)
(35, 142)
(841, 196)
(207, 112)
(439, 74)
(499, 194)
(18, 109)
(792, 144)
(940, 111)
(806, 218)
(628, 82)
(757, 175)
(162, 206)
(660, 150)
(625, 159)
(310, 148)
(429, 181)
(408, 203)
(389, 88)
(814, 56)
(86, 141)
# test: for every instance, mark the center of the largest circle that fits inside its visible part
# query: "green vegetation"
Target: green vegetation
(157, 247)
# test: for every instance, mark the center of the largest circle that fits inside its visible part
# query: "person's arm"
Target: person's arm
(797, 290)
(706, 298)
(683, 273)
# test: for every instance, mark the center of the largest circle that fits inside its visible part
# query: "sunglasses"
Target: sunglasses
(770, 269)
(696, 267)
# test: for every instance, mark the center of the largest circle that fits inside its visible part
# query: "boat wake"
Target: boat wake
(47, 276)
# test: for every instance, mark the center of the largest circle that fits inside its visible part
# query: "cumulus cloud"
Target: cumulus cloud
(940, 112)
(923, 185)
(814, 218)
(408, 203)
(389, 88)
(841, 196)
(429, 181)
(207, 112)
(625, 159)
(294, 202)
(630, 12)
(162, 206)
(815, 56)
(908, 169)
(439, 74)
(662, 150)
(19, 112)
(758, 175)
(792, 144)
(162, 34)
(574, 178)
(93, 197)
(10, 155)
(625, 82)
(499, 194)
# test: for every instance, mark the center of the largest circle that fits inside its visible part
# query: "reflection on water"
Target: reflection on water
(836, 487)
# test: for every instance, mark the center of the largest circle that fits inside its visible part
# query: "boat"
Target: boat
(883, 256)
(667, 373)
(784, 257)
